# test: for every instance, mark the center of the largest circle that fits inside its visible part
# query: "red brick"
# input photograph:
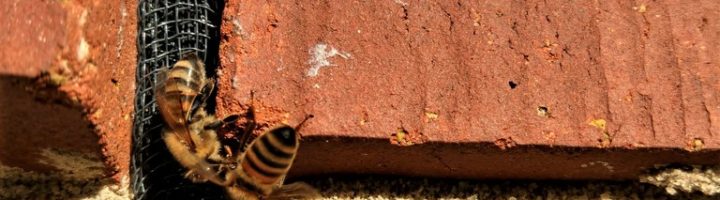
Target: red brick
(442, 72)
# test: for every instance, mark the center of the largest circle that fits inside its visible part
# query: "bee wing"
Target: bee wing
(159, 92)
(297, 190)
(162, 101)
(198, 101)
(159, 88)
(160, 80)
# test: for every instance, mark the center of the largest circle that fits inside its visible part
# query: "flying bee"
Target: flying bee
(262, 166)
(189, 131)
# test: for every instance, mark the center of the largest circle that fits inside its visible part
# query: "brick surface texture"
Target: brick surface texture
(539, 89)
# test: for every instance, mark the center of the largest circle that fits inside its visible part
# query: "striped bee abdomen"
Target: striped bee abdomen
(181, 85)
(269, 157)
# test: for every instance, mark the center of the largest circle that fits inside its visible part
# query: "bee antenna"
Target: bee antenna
(297, 128)
(251, 110)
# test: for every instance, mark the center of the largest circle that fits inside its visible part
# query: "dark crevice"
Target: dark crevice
(566, 50)
(515, 28)
(450, 19)
(405, 18)
(212, 58)
(562, 67)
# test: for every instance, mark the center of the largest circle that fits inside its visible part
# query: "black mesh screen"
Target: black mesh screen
(166, 29)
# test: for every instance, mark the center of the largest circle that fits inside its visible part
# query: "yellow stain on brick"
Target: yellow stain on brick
(431, 116)
(598, 123)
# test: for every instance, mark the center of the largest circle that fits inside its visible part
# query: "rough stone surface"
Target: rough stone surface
(377, 188)
(69, 66)
(704, 180)
(489, 89)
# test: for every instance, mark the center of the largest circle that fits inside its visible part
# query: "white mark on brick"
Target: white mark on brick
(281, 66)
(319, 57)
(83, 18)
(121, 39)
(401, 2)
(235, 83)
(316, 86)
(230, 56)
(83, 49)
(41, 37)
(219, 72)
(604, 164)
(239, 30)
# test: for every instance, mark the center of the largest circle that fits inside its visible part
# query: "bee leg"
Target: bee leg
(226, 166)
(231, 119)
(215, 124)
(229, 161)
(196, 177)
(228, 151)
(250, 116)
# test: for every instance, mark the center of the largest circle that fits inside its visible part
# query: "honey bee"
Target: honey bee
(189, 131)
(262, 166)
(258, 168)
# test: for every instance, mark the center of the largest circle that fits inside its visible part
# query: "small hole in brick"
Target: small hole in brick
(542, 108)
(115, 82)
(543, 111)
(512, 84)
